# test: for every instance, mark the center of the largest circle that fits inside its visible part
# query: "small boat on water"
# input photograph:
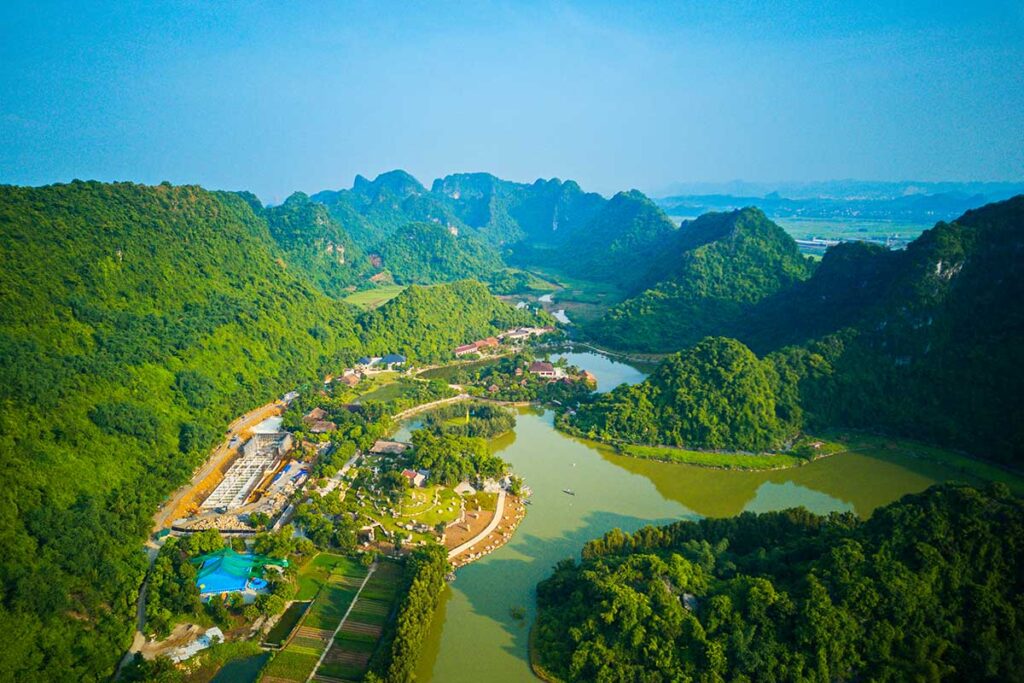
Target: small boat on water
(569, 491)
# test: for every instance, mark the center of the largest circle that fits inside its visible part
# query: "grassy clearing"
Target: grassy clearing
(329, 607)
(372, 298)
(292, 665)
(390, 391)
(728, 461)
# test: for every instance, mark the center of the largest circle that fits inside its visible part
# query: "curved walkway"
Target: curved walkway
(499, 511)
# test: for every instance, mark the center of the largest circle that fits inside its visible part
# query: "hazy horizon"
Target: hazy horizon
(276, 99)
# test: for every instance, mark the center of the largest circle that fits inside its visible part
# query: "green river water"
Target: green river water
(474, 637)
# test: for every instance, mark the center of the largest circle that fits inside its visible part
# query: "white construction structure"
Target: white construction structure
(260, 455)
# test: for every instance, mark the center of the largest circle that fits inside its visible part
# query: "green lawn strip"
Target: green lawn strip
(288, 621)
(290, 664)
(732, 461)
(356, 642)
(449, 371)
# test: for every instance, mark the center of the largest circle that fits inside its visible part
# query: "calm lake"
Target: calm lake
(474, 637)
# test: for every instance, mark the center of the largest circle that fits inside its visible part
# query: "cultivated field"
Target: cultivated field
(349, 656)
(334, 580)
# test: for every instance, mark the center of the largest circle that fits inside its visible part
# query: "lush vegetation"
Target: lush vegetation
(314, 242)
(424, 253)
(173, 596)
(135, 322)
(477, 420)
(928, 588)
(397, 655)
(716, 395)
(704, 281)
(452, 458)
(427, 323)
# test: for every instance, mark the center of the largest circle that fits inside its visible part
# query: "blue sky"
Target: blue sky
(276, 97)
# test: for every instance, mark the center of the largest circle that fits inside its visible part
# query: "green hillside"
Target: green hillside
(135, 323)
(716, 395)
(424, 253)
(934, 345)
(426, 323)
(315, 242)
(704, 281)
(375, 209)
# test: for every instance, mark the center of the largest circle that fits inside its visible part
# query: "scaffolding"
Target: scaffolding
(259, 456)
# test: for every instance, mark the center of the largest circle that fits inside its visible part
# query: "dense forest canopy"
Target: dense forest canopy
(716, 395)
(315, 242)
(423, 253)
(928, 588)
(135, 322)
(704, 280)
(427, 323)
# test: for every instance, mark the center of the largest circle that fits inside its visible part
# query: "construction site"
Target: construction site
(260, 457)
(250, 472)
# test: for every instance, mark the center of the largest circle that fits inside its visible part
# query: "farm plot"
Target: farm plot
(338, 579)
(350, 654)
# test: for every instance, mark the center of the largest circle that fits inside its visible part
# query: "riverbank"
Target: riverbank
(535, 666)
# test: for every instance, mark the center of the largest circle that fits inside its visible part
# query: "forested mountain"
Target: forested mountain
(314, 241)
(928, 588)
(545, 212)
(704, 280)
(428, 322)
(616, 246)
(716, 395)
(425, 253)
(930, 342)
(135, 322)
(374, 210)
(926, 342)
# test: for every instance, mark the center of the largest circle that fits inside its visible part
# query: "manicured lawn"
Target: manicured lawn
(448, 371)
(389, 392)
(372, 298)
(286, 623)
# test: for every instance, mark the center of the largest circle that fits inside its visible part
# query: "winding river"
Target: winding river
(474, 635)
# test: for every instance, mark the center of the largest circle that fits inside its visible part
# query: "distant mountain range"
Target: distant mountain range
(841, 200)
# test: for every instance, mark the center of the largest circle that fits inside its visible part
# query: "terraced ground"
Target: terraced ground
(349, 656)
(336, 580)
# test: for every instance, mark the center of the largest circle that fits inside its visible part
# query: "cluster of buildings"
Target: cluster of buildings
(513, 336)
(317, 423)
